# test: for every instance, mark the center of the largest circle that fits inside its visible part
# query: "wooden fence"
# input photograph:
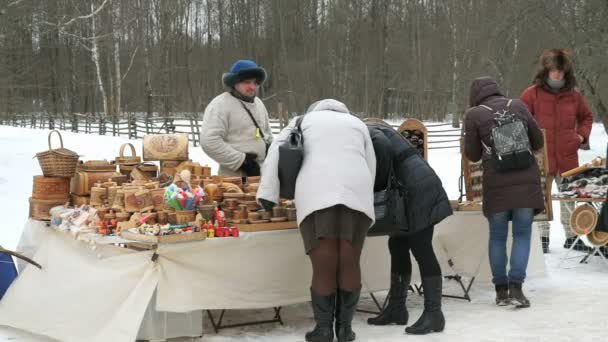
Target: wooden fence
(136, 125)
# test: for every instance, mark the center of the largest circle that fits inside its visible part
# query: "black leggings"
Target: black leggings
(421, 245)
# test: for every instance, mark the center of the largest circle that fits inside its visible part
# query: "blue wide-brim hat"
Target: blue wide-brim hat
(243, 70)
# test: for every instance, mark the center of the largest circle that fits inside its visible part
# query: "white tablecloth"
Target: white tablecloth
(100, 292)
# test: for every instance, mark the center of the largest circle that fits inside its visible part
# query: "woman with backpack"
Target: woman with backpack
(511, 181)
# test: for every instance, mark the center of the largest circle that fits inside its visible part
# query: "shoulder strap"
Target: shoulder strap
(253, 119)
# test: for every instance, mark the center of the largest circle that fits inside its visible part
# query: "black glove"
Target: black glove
(250, 166)
(267, 205)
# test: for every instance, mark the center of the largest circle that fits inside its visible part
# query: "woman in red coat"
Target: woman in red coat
(559, 109)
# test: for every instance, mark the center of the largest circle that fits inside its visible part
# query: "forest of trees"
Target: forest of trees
(412, 58)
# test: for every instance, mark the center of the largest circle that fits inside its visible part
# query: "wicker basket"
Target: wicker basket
(59, 162)
(583, 219)
(598, 238)
(185, 216)
(133, 159)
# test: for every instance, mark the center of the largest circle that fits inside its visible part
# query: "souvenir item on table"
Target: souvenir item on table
(58, 162)
(131, 202)
(166, 147)
(162, 217)
(291, 214)
(77, 200)
(140, 174)
(96, 166)
(231, 188)
(206, 211)
(40, 209)
(119, 179)
(152, 185)
(252, 188)
(98, 195)
(57, 212)
(253, 179)
(238, 181)
(112, 190)
(150, 170)
(169, 166)
(119, 200)
(185, 216)
(126, 163)
(50, 188)
(78, 219)
(83, 181)
(183, 198)
(591, 183)
(144, 200)
(122, 216)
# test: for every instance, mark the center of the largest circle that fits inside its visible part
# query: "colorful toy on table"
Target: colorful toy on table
(180, 199)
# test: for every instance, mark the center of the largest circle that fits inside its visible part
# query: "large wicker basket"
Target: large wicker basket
(583, 219)
(58, 162)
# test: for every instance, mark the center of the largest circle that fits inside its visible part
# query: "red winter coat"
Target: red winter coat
(564, 116)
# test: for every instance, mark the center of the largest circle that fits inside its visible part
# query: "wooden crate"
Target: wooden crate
(261, 227)
(164, 238)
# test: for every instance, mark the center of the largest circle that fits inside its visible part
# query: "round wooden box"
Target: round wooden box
(40, 209)
(50, 188)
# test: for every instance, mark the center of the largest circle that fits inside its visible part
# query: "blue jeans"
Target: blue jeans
(520, 250)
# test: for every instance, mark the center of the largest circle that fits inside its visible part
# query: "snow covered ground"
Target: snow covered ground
(571, 303)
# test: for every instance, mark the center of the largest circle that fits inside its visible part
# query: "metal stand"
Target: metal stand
(218, 326)
(380, 307)
(596, 251)
(466, 288)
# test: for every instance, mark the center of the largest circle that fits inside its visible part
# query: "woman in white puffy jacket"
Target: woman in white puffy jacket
(335, 207)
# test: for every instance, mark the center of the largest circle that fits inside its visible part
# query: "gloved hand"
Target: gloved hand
(250, 165)
(267, 205)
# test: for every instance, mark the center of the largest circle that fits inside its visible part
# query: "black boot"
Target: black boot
(323, 311)
(432, 319)
(345, 310)
(545, 242)
(517, 296)
(579, 246)
(502, 295)
(395, 311)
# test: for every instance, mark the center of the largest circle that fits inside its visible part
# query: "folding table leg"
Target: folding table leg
(219, 326)
(380, 307)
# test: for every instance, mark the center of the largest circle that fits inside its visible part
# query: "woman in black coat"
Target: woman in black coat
(427, 204)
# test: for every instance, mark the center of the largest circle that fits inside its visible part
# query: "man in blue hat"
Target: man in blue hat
(236, 131)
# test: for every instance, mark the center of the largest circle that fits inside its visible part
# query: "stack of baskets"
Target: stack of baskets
(53, 187)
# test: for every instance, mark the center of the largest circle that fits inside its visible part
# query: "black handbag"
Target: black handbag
(390, 209)
(291, 156)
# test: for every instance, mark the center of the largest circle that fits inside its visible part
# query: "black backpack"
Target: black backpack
(510, 147)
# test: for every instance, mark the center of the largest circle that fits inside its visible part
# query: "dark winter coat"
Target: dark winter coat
(427, 203)
(564, 116)
(507, 190)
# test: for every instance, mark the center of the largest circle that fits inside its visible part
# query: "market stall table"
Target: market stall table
(97, 292)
